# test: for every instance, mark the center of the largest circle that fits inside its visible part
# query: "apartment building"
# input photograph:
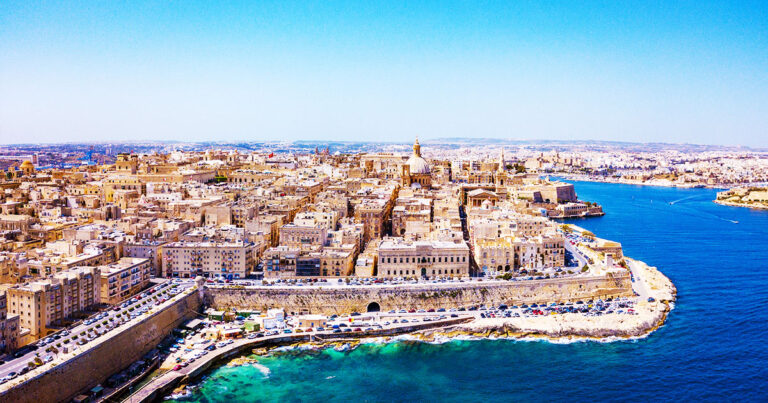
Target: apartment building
(303, 237)
(519, 254)
(229, 260)
(49, 301)
(9, 327)
(292, 262)
(146, 249)
(123, 279)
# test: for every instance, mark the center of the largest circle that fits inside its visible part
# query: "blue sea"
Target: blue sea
(712, 348)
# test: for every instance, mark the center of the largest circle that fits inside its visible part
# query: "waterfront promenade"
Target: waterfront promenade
(164, 382)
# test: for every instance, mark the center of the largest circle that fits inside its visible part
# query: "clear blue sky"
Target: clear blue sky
(674, 71)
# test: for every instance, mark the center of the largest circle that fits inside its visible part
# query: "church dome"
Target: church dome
(418, 165)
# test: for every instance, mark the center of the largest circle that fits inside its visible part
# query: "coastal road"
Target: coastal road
(576, 253)
(640, 286)
(160, 381)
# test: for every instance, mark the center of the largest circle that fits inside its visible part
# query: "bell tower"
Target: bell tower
(417, 148)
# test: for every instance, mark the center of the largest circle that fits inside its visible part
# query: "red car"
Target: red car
(176, 368)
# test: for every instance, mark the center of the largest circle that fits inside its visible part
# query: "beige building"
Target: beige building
(305, 238)
(47, 302)
(288, 262)
(373, 214)
(410, 210)
(123, 279)
(146, 249)
(208, 259)
(519, 255)
(572, 209)
(9, 327)
(400, 258)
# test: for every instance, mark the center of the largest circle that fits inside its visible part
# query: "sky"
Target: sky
(641, 71)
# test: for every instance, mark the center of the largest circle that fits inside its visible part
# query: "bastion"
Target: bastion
(66, 380)
(347, 299)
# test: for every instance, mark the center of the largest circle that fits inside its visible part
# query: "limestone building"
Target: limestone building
(400, 258)
(42, 303)
(230, 260)
(123, 279)
(9, 327)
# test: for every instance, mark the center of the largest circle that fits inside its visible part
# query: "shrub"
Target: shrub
(585, 268)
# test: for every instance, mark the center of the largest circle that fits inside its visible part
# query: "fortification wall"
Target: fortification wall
(65, 381)
(339, 300)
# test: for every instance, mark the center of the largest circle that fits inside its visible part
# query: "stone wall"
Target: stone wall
(338, 300)
(84, 371)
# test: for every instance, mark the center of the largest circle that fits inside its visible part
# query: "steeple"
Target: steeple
(502, 164)
(417, 148)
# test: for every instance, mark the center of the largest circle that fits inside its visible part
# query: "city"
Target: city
(91, 251)
(222, 202)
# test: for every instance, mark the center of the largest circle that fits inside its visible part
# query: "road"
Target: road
(639, 285)
(576, 253)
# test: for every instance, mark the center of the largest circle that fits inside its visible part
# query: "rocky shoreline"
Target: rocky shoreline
(569, 327)
(734, 204)
(658, 183)
(650, 315)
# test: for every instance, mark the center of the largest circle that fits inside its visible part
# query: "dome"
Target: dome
(418, 165)
(27, 164)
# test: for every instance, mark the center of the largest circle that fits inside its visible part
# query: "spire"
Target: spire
(502, 165)
(417, 148)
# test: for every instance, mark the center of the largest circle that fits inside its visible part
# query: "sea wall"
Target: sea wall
(162, 385)
(66, 380)
(339, 300)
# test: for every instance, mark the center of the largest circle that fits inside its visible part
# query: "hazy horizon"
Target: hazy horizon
(682, 72)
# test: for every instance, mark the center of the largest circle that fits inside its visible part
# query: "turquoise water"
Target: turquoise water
(713, 347)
